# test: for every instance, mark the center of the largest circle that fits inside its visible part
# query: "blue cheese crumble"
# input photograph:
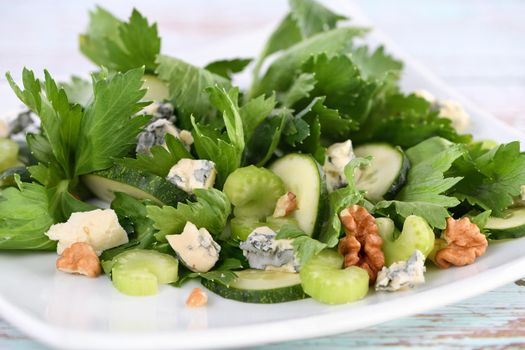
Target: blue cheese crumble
(402, 275)
(155, 134)
(447, 109)
(337, 157)
(195, 248)
(189, 174)
(264, 252)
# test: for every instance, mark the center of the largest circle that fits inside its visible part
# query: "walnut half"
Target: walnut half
(362, 245)
(464, 244)
(286, 204)
(79, 258)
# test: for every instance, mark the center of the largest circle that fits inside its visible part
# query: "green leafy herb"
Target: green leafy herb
(187, 84)
(210, 210)
(227, 68)
(340, 199)
(108, 128)
(422, 194)
(25, 217)
(492, 178)
(280, 75)
(304, 246)
(118, 45)
(161, 159)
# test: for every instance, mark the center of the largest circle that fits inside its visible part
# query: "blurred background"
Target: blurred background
(477, 46)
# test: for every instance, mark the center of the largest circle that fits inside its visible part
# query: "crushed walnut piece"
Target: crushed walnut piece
(79, 258)
(197, 298)
(464, 244)
(286, 204)
(362, 245)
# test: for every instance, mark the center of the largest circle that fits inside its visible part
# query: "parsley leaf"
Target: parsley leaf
(186, 84)
(339, 79)
(304, 246)
(108, 128)
(280, 75)
(300, 89)
(341, 199)
(377, 65)
(312, 17)
(25, 217)
(78, 90)
(491, 179)
(118, 45)
(161, 159)
(422, 194)
(405, 120)
(210, 210)
(254, 112)
(227, 68)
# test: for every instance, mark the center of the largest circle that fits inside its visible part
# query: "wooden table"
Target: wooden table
(476, 46)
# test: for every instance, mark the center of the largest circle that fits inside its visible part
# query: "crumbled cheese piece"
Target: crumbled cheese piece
(403, 274)
(99, 228)
(454, 111)
(447, 109)
(195, 248)
(264, 252)
(338, 156)
(189, 174)
(155, 134)
(159, 110)
(424, 94)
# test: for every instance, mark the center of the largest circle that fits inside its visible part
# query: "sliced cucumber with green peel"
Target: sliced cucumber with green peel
(304, 177)
(134, 182)
(8, 153)
(324, 279)
(511, 225)
(386, 174)
(253, 191)
(139, 272)
(260, 286)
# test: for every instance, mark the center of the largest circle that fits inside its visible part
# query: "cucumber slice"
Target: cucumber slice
(260, 286)
(323, 278)
(303, 176)
(511, 225)
(134, 182)
(139, 272)
(8, 154)
(156, 89)
(387, 172)
(253, 191)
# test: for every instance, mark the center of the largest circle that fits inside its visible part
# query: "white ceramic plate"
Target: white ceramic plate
(74, 312)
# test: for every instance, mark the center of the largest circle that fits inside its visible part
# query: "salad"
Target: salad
(321, 179)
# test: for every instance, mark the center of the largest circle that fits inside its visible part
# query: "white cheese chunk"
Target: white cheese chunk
(189, 174)
(454, 111)
(448, 109)
(24, 123)
(155, 134)
(337, 157)
(264, 252)
(99, 228)
(195, 248)
(402, 275)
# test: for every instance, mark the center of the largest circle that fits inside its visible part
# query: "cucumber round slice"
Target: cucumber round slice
(253, 191)
(387, 172)
(139, 272)
(134, 182)
(511, 225)
(156, 89)
(8, 153)
(323, 278)
(304, 177)
(260, 286)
